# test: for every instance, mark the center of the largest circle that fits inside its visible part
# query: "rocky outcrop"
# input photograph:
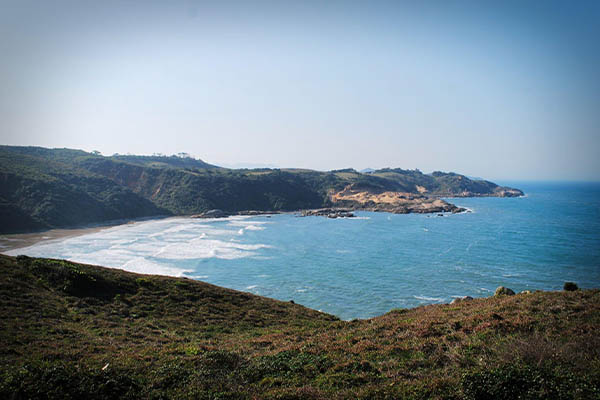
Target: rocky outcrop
(360, 198)
(461, 299)
(256, 212)
(502, 191)
(424, 206)
(212, 214)
(504, 291)
(223, 214)
(328, 212)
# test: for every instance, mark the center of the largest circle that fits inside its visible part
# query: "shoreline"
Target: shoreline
(344, 208)
(15, 241)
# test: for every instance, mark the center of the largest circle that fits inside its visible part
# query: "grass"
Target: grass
(77, 331)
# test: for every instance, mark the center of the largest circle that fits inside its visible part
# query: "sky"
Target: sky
(500, 90)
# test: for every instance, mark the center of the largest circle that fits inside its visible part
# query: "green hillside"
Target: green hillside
(72, 331)
(50, 188)
(41, 189)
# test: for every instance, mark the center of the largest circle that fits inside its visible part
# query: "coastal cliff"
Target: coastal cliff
(101, 333)
(53, 188)
(368, 199)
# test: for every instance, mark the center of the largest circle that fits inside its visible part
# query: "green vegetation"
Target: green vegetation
(44, 189)
(50, 188)
(73, 331)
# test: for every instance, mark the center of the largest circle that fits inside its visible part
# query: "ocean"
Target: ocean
(366, 266)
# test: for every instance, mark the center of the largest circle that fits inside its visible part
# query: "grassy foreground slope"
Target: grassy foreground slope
(76, 331)
(52, 188)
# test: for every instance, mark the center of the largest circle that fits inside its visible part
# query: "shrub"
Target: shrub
(75, 280)
(526, 382)
(220, 360)
(61, 381)
(570, 286)
(287, 363)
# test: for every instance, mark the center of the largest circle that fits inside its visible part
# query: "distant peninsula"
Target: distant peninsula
(45, 188)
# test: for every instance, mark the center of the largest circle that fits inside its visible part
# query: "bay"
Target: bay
(366, 266)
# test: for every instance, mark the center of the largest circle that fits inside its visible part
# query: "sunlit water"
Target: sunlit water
(363, 267)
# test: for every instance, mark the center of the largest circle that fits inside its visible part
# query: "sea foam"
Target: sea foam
(428, 298)
(149, 247)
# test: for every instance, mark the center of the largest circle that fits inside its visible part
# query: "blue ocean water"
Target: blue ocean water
(360, 268)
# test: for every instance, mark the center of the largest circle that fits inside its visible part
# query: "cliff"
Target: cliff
(51, 188)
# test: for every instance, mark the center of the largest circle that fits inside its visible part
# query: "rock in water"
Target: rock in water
(329, 213)
(501, 290)
(570, 286)
(212, 214)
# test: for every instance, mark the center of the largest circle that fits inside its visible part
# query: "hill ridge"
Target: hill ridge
(56, 188)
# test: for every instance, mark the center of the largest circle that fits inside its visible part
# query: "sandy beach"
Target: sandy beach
(21, 240)
(14, 241)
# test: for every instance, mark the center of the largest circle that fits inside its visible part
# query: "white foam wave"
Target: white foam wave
(428, 298)
(181, 227)
(45, 249)
(151, 247)
(208, 248)
(182, 234)
(144, 266)
(254, 228)
(238, 217)
(251, 286)
(246, 223)
(124, 241)
(250, 228)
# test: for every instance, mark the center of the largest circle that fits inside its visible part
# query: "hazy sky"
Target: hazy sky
(499, 89)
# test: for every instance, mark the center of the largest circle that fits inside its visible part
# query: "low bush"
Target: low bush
(527, 382)
(43, 380)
